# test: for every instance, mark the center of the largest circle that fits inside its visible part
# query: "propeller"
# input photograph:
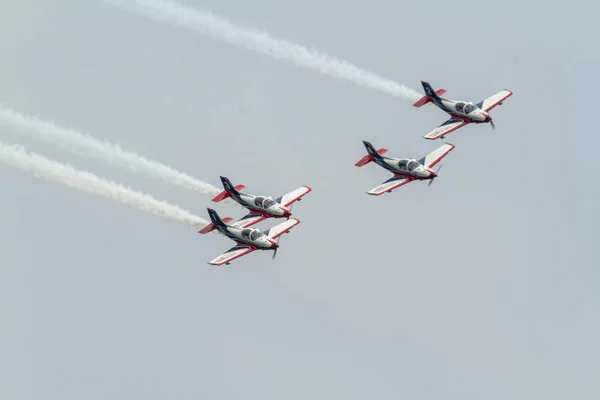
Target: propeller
(436, 172)
(275, 251)
(492, 124)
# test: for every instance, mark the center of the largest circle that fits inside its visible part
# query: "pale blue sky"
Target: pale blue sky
(483, 285)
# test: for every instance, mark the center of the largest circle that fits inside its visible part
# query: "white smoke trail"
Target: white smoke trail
(16, 156)
(84, 144)
(207, 23)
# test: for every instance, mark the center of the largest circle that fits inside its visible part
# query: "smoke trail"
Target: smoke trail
(207, 23)
(84, 144)
(16, 156)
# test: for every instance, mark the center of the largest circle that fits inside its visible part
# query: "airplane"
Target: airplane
(405, 170)
(247, 239)
(461, 112)
(260, 207)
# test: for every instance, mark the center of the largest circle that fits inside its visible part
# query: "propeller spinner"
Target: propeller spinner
(277, 248)
(436, 172)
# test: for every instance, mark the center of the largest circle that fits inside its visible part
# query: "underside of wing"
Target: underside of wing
(231, 254)
(449, 126)
(436, 156)
(493, 101)
(293, 196)
(249, 220)
(389, 185)
(282, 228)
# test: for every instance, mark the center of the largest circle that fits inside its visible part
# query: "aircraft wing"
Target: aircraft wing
(293, 196)
(231, 254)
(436, 156)
(282, 228)
(449, 126)
(248, 220)
(389, 185)
(493, 101)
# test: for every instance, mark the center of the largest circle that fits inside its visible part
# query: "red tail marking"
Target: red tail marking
(211, 227)
(368, 158)
(208, 228)
(225, 194)
(425, 99)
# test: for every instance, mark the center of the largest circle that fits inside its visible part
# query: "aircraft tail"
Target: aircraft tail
(372, 156)
(229, 191)
(430, 95)
(216, 223)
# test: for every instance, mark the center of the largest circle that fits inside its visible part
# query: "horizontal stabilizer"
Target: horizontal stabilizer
(211, 227)
(368, 158)
(426, 99)
(225, 194)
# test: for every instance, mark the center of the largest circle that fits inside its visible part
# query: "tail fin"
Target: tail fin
(229, 191)
(373, 154)
(430, 95)
(217, 222)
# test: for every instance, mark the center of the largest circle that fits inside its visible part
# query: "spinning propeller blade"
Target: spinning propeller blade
(436, 171)
(492, 124)
(275, 251)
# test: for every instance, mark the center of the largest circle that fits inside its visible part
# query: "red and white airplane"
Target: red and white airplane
(260, 207)
(405, 170)
(247, 239)
(461, 112)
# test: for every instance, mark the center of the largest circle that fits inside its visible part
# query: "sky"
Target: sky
(483, 285)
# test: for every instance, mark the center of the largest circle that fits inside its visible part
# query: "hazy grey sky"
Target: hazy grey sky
(480, 286)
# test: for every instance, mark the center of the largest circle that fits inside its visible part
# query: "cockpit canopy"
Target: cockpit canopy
(412, 164)
(264, 202)
(466, 108)
(402, 163)
(251, 234)
(408, 165)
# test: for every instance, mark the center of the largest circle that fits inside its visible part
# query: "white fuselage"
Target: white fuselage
(463, 109)
(398, 166)
(249, 236)
(263, 204)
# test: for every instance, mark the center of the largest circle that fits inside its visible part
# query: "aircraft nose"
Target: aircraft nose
(286, 212)
(274, 244)
(432, 173)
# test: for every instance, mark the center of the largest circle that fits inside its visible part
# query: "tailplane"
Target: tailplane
(229, 191)
(216, 223)
(430, 95)
(372, 156)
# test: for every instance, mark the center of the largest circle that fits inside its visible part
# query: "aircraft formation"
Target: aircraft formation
(404, 170)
